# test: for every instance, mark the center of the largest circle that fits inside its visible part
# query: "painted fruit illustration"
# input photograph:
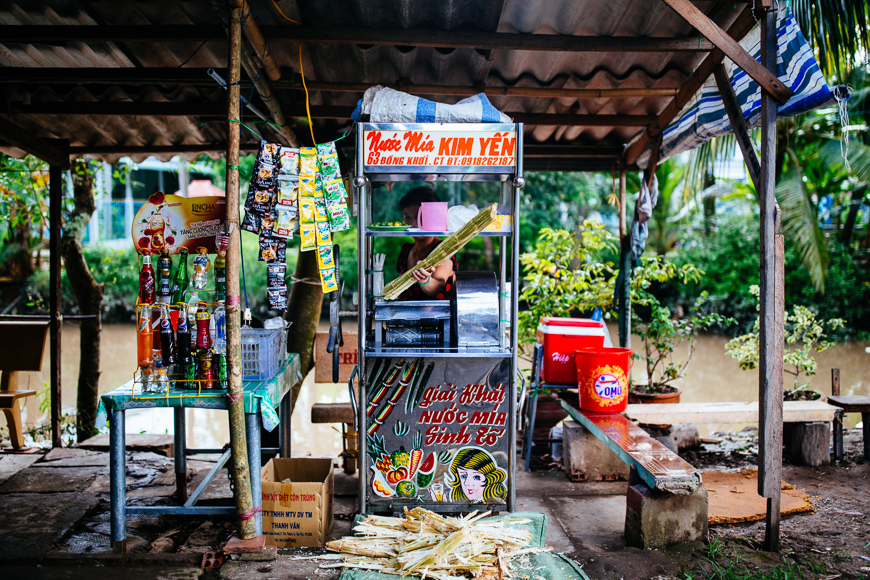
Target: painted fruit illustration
(406, 489)
(397, 475)
(426, 472)
(401, 458)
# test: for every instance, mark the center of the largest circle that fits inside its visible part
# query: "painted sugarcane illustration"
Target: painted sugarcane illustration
(382, 385)
(416, 392)
(407, 378)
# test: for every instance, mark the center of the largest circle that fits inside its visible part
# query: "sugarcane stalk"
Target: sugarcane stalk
(451, 244)
(421, 385)
(414, 386)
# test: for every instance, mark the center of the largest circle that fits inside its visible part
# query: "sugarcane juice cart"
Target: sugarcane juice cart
(436, 404)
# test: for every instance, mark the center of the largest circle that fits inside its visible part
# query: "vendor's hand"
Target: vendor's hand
(423, 275)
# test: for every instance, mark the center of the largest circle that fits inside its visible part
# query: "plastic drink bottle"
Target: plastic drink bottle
(181, 279)
(147, 291)
(220, 276)
(221, 364)
(144, 340)
(201, 265)
(167, 340)
(164, 276)
(160, 383)
(203, 336)
(220, 328)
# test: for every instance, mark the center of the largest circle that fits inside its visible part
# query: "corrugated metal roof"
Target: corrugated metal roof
(352, 63)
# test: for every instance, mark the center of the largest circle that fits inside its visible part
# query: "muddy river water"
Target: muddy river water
(712, 376)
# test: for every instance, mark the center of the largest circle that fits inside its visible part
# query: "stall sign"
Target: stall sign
(437, 431)
(174, 222)
(422, 150)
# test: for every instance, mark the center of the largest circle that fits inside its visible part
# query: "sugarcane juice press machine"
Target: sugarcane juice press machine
(436, 394)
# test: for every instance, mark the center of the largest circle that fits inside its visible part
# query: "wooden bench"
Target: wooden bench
(23, 347)
(661, 486)
(854, 404)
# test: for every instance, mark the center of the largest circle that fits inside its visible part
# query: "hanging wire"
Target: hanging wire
(307, 107)
(281, 12)
(841, 95)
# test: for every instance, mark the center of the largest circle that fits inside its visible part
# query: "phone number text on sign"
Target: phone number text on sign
(411, 149)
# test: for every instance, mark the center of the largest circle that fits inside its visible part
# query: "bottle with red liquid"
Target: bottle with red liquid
(147, 282)
(206, 369)
(203, 336)
(167, 340)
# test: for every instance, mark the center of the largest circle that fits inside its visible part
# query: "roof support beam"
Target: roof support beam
(738, 125)
(693, 84)
(480, 40)
(199, 77)
(24, 140)
(212, 110)
(767, 79)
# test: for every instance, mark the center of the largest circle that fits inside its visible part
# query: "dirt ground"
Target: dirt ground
(56, 522)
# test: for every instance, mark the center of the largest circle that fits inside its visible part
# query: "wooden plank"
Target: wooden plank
(744, 23)
(738, 125)
(656, 465)
(759, 73)
(852, 403)
(701, 413)
(332, 413)
(469, 39)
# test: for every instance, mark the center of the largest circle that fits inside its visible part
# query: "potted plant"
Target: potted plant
(805, 333)
(661, 335)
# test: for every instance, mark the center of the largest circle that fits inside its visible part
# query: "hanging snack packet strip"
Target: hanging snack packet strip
(334, 192)
(251, 223)
(308, 233)
(285, 220)
(277, 298)
(324, 257)
(328, 281)
(287, 190)
(320, 213)
(322, 233)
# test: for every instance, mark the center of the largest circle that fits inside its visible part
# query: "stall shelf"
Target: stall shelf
(438, 383)
(261, 399)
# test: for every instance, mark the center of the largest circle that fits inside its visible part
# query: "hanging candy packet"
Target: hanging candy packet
(251, 221)
(306, 210)
(264, 176)
(339, 219)
(267, 223)
(324, 149)
(275, 275)
(285, 220)
(268, 153)
(328, 281)
(323, 235)
(268, 249)
(308, 161)
(287, 190)
(334, 192)
(308, 235)
(288, 163)
(277, 298)
(320, 213)
(260, 200)
(307, 186)
(325, 258)
(329, 168)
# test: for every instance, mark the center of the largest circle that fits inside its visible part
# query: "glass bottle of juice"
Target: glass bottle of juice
(147, 283)
(144, 339)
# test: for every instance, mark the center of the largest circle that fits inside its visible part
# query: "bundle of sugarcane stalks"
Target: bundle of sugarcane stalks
(451, 244)
(429, 545)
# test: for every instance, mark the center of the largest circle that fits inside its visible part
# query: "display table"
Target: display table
(262, 398)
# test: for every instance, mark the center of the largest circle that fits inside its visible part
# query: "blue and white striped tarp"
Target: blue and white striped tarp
(704, 117)
(385, 105)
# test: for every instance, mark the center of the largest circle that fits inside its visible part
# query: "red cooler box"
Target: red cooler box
(560, 337)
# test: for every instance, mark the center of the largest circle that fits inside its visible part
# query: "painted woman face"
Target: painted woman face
(473, 482)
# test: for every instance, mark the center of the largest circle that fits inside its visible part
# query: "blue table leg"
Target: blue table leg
(285, 411)
(252, 428)
(180, 433)
(118, 482)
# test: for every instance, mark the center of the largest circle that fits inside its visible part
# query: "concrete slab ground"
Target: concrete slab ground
(33, 522)
(11, 464)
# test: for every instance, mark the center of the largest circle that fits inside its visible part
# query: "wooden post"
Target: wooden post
(624, 265)
(771, 316)
(238, 442)
(55, 188)
(838, 420)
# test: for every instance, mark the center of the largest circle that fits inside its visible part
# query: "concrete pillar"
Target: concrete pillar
(586, 458)
(654, 519)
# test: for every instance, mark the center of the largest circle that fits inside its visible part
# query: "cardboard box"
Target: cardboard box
(297, 513)
(347, 358)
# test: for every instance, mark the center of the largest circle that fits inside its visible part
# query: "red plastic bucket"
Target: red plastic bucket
(602, 378)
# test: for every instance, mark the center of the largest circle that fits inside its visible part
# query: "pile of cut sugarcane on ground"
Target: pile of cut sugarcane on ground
(425, 544)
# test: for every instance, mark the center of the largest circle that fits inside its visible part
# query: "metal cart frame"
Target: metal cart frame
(511, 180)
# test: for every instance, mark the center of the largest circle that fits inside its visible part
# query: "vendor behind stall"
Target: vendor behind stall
(438, 282)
